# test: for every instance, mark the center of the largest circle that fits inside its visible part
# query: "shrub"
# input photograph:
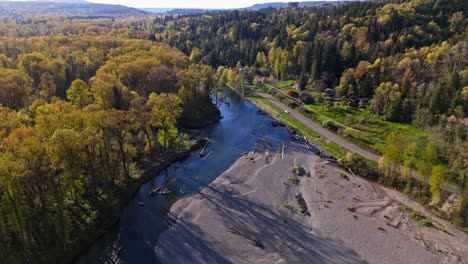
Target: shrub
(348, 132)
(293, 94)
(360, 166)
(330, 124)
(294, 180)
(301, 209)
(297, 170)
(419, 217)
(306, 98)
(292, 104)
(343, 175)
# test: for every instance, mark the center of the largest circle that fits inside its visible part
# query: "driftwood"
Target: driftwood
(257, 243)
(163, 189)
(305, 142)
(282, 151)
(159, 190)
(202, 152)
(209, 153)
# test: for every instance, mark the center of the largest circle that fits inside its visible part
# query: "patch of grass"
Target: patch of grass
(370, 129)
(380, 228)
(294, 180)
(343, 175)
(420, 218)
(301, 209)
(283, 83)
(444, 229)
(286, 204)
(355, 216)
(335, 149)
(297, 170)
(351, 208)
(283, 220)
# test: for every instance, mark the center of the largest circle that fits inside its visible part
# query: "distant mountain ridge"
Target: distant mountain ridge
(193, 11)
(286, 4)
(79, 8)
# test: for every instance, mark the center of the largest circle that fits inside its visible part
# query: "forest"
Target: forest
(81, 120)
(88, 104)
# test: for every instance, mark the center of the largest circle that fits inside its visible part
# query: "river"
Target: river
(134, 238)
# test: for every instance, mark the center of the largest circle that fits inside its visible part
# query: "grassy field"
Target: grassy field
(273, 110)
(282, 84)
(364, 126)
(357, 124)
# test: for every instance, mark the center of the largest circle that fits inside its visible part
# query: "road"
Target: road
(322, 131)
(339, 140)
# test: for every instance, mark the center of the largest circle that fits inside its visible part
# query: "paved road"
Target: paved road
(339, 140)
(322, 131)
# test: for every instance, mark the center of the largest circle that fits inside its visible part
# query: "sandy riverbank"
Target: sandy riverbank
(349, 220)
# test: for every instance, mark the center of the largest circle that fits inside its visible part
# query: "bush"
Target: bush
(292, 104)
(360, 166)
(293, 94)
(417, 216)
(294, 180)
(351, 208)
(301, 209)
(297, 170)
(330, 124)
(306, 98)
(348, 132)
(343, 176)
(461, 214)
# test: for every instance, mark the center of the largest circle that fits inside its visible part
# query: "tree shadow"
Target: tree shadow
(280, 233)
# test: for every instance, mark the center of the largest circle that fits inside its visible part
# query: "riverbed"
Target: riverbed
(238, 204)
(134, 238)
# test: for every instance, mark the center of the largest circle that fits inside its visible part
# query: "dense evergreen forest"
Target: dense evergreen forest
(88, 104)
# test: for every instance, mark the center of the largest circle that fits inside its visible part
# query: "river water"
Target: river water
(134, 238)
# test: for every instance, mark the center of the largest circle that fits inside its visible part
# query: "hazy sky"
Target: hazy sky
(187, 3)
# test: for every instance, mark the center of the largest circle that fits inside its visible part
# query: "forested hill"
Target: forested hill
(401, 61)
(419, 45)
(18, 9)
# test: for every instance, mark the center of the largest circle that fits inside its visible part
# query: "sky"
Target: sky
(188, 4)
